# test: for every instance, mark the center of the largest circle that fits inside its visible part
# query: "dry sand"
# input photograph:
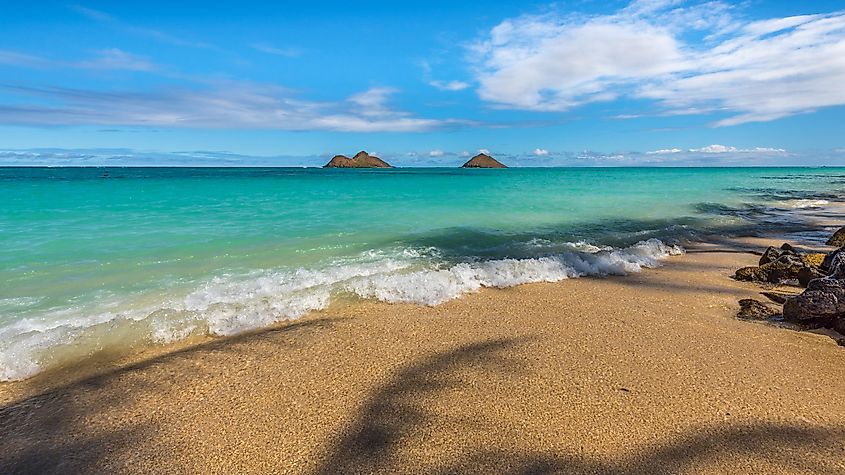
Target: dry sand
(648, 373)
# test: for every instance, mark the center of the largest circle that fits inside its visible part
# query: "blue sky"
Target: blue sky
(648, 82)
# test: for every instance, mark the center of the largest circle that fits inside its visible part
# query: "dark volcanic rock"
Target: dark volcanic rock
(772, 254)
(360, 160)
(834, 287)
(823, 303)
(807, 274)
(482, 160)
(811, 307)
(751, 309)
(784, 268)
(750, 274)
(834, 264)
(839, 326)
(776, 297)
(838, 238)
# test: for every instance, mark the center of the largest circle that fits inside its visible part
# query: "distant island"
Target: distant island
(482, 160)
(361, 160)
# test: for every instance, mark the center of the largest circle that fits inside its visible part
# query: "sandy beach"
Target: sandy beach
(648, 373)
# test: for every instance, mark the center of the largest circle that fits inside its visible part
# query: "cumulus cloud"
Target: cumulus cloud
(436, 153)
(540, 152)
(664, 151)
(449, 85)
(753, 70)
(484, 151)
(716, 148)
(224, 105)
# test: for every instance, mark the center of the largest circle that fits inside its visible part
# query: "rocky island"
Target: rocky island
(361, 160)
(482, 160)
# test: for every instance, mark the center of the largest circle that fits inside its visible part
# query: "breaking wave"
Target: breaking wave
(232, 304)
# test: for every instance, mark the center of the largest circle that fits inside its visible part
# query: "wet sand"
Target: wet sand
(648, 373)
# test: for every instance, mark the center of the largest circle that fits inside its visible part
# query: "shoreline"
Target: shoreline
(637, 373)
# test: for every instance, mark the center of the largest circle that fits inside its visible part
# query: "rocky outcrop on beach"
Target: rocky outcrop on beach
(838, 238)
(821, 304)
(361, 160)
(751, 309)
(482, 160)
(775, 266)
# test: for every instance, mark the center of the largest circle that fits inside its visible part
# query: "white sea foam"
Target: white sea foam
(231, 304)
(800, 204)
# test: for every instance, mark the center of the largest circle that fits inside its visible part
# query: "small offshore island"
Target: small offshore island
(482, 160)
(361, 159)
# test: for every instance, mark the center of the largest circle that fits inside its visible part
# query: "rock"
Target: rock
(814, 259)
(482, 160)
(811, 307)
(784, 268)
(834, 264)
(834, 287)
(838, 238)
(751, 309)
(772, 254)
(839, 326)
(806, 274)
(360, 160)
(751, 274)
(776, 297)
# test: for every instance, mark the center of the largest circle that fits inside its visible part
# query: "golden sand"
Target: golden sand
(648, 373)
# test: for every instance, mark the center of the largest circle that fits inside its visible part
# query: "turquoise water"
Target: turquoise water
(142, 256)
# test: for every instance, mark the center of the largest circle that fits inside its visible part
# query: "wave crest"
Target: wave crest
(228, 305)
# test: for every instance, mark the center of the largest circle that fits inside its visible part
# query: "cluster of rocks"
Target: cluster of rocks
(784, 264)
(821, 304)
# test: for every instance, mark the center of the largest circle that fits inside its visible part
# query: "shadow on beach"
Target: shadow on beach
(387, 423)
(58, 431)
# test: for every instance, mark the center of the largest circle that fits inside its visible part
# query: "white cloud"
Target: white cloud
(114, 58)
(484, 151)
(225, 105)
(449, 85)
(540, 152)
(464, 154)
(715, 148)
(719, 149)
(436, 153)
(158, 35)
(283, 52)
(111, 58)
(664, 151)
(756, 71)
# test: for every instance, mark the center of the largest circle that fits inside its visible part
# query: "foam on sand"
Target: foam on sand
(232, 304)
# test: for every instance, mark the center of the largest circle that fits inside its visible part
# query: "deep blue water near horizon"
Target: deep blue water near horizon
(98, 258)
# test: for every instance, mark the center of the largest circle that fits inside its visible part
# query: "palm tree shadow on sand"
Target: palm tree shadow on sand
(374, 442)
(50, 432)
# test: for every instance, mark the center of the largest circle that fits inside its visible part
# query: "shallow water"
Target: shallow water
(154, 255)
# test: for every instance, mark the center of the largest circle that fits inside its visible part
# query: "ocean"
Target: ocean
(113, 259)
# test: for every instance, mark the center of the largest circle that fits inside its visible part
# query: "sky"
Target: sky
(571, 83)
